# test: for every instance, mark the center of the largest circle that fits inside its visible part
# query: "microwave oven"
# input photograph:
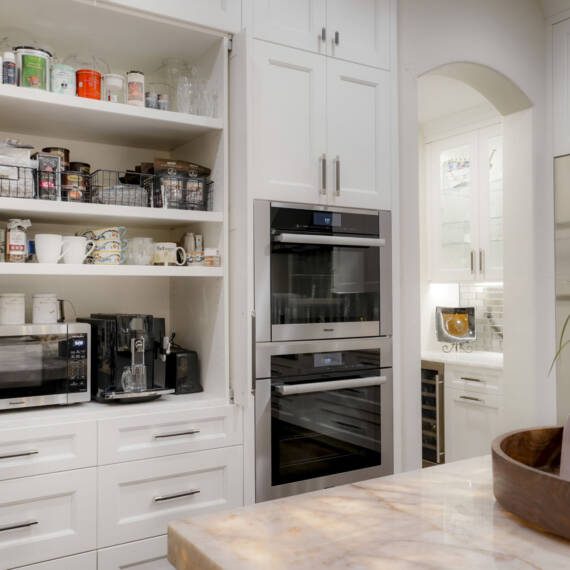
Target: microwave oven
(43, 365)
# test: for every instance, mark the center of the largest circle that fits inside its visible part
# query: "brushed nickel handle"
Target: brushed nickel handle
(309, 387)
(472, 258)
(471, 398)
(469, 379)
(481, 260)
(162, 498)
(253, 352)
(323, 34)
(176, 434)
(336, 38)
(15, 526)
(337, 171)
(323, 174)
(19, 454)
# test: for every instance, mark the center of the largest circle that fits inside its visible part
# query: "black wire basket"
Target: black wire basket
(20, 182)
(182, 192)
(121, 188)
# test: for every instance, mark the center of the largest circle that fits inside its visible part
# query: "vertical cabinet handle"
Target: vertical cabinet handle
(253, 352)
(482, 260)
(323, 34)
(472, 259)
(323, 174)
(337, 176)
(336, 38)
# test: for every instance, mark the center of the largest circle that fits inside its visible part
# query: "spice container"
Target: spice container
(63, 79)
(49, 169)
(75, 182)
(135, 88)
(12, 309)
(163, 101)
(63, 154)
(88, 83)
(113, 88)
(17, 241)
(151, 100)
(9, 68)
(32, 67)
(45, 308)
(212, 257)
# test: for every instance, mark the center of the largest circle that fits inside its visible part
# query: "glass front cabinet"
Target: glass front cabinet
(465, 206)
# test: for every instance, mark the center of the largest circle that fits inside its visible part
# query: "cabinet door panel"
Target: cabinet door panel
(358, 135)
(363, 30)
(288, 123)
(87, 561)
(561, 87)
(147, 554)
(294, 23)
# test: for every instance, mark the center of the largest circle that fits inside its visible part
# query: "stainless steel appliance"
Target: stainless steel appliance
(42, 365)
(433, 438)
(321, 272)
(323, 414)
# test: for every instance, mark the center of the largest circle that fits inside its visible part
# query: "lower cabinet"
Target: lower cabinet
(147, 554)
(47, 516)
(87, 561)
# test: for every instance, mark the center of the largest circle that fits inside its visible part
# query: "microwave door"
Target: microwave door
(20, 366)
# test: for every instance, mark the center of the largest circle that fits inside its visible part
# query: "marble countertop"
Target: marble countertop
(480, 359)
(443, 517)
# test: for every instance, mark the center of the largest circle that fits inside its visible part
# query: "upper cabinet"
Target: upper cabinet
(561, 95)
(337, 28)
(321, 129)
(222, 15)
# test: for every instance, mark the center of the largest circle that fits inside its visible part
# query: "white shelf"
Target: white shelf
(33, 111)
(47, 211)
(69, 270)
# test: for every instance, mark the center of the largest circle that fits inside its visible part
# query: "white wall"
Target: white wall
(510, 37)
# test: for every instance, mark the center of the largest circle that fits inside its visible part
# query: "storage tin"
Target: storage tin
(45, 308)
(88, 83)
(12, 309)
(63, 79)
(32, 67)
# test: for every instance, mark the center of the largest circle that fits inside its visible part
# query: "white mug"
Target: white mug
(48, 248)
(166, 253)
(75, 249)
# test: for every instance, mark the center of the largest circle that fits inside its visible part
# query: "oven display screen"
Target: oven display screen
(328, 219)
(78, 342)
(323, 359)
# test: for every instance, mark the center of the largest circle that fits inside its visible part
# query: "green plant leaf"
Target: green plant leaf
(557, 355)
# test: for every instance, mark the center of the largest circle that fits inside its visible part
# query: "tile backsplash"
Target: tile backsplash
(488, 303)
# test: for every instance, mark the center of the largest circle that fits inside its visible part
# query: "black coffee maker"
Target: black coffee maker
(127, 357)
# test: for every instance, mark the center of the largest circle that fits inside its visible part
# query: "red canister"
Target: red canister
(88, 83)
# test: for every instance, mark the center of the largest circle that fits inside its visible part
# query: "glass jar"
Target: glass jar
(212, 257)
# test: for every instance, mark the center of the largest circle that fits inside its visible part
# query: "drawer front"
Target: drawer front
(480, 380)
(87, 561)
(147, 554)
(157, 435)
(47, 449)
(47, 516)
(137, 500)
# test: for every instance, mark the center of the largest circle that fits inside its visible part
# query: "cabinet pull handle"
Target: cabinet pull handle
(14, 526)
(337, 174)
(19, 454)
(336, 38)
(472, 259)
(323, 174)
(162, 498)
(176, 434)
(323, 34)
(468, 379)
(471, 398)
(253, 352)
(481, 260)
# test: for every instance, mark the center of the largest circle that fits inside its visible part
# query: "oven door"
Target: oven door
(33, 366)
(318, 430)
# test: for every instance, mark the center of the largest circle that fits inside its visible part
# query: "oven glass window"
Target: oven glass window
(33, 366)
(324, 284)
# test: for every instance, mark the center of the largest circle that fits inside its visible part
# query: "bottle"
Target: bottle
(9, 68)
(135, 88)
(16, 241)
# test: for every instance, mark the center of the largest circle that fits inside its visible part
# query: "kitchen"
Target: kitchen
(231, 244)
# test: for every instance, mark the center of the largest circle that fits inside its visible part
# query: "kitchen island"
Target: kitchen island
(441, 517)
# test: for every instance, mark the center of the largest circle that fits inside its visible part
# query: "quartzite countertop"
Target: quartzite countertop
(441, 517)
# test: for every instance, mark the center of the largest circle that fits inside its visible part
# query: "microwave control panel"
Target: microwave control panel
(77, 363)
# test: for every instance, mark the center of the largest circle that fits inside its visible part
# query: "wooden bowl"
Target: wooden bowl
(526, 481)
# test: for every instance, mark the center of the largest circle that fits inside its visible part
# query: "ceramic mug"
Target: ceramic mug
(166, 253)
(48, 248)
(106, 258)
(75, 249)
(111, 233)
(110, 245)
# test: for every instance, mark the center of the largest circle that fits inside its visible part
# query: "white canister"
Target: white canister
(135, 88)
(12, 309)
(63, 79)
(45, 308)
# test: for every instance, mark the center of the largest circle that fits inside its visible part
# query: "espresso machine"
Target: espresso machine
(127, 357)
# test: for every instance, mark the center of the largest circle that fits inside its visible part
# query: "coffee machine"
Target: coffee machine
(127, 357)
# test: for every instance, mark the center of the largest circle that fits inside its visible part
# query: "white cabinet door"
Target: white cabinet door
(561, 87)
(147, 554)
(138, 499)
(87, 561)
(47, 516)
(217, 14)
(360, 31)
(358, 135)
(288, 124)
(472, 421)
(294, 23)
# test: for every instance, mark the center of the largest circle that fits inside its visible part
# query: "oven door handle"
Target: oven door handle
(310, 239)
(292, 389)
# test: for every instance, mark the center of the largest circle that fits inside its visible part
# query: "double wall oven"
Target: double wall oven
(322, 347)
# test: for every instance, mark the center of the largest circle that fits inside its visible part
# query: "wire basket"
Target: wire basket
(182, 193)
(18, 181)
(121, 188)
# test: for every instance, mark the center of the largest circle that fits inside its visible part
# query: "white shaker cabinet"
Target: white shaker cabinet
(289, 124)
(222, 15)
(561, 87)
(150, 554)
(358, 135)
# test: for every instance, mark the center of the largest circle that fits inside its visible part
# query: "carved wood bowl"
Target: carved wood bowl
(526, 481)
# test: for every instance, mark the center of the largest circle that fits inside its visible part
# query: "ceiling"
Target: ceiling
(553, 7)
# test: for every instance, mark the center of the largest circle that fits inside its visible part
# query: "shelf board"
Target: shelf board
(69, 270)
(33, 111)
(48, 211)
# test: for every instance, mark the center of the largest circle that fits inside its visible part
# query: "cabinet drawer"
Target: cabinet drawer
(47, 516)
(482, 380)
(147, 554)
(87, 561)
(156, 435)
(137, 500)
(47, 449)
